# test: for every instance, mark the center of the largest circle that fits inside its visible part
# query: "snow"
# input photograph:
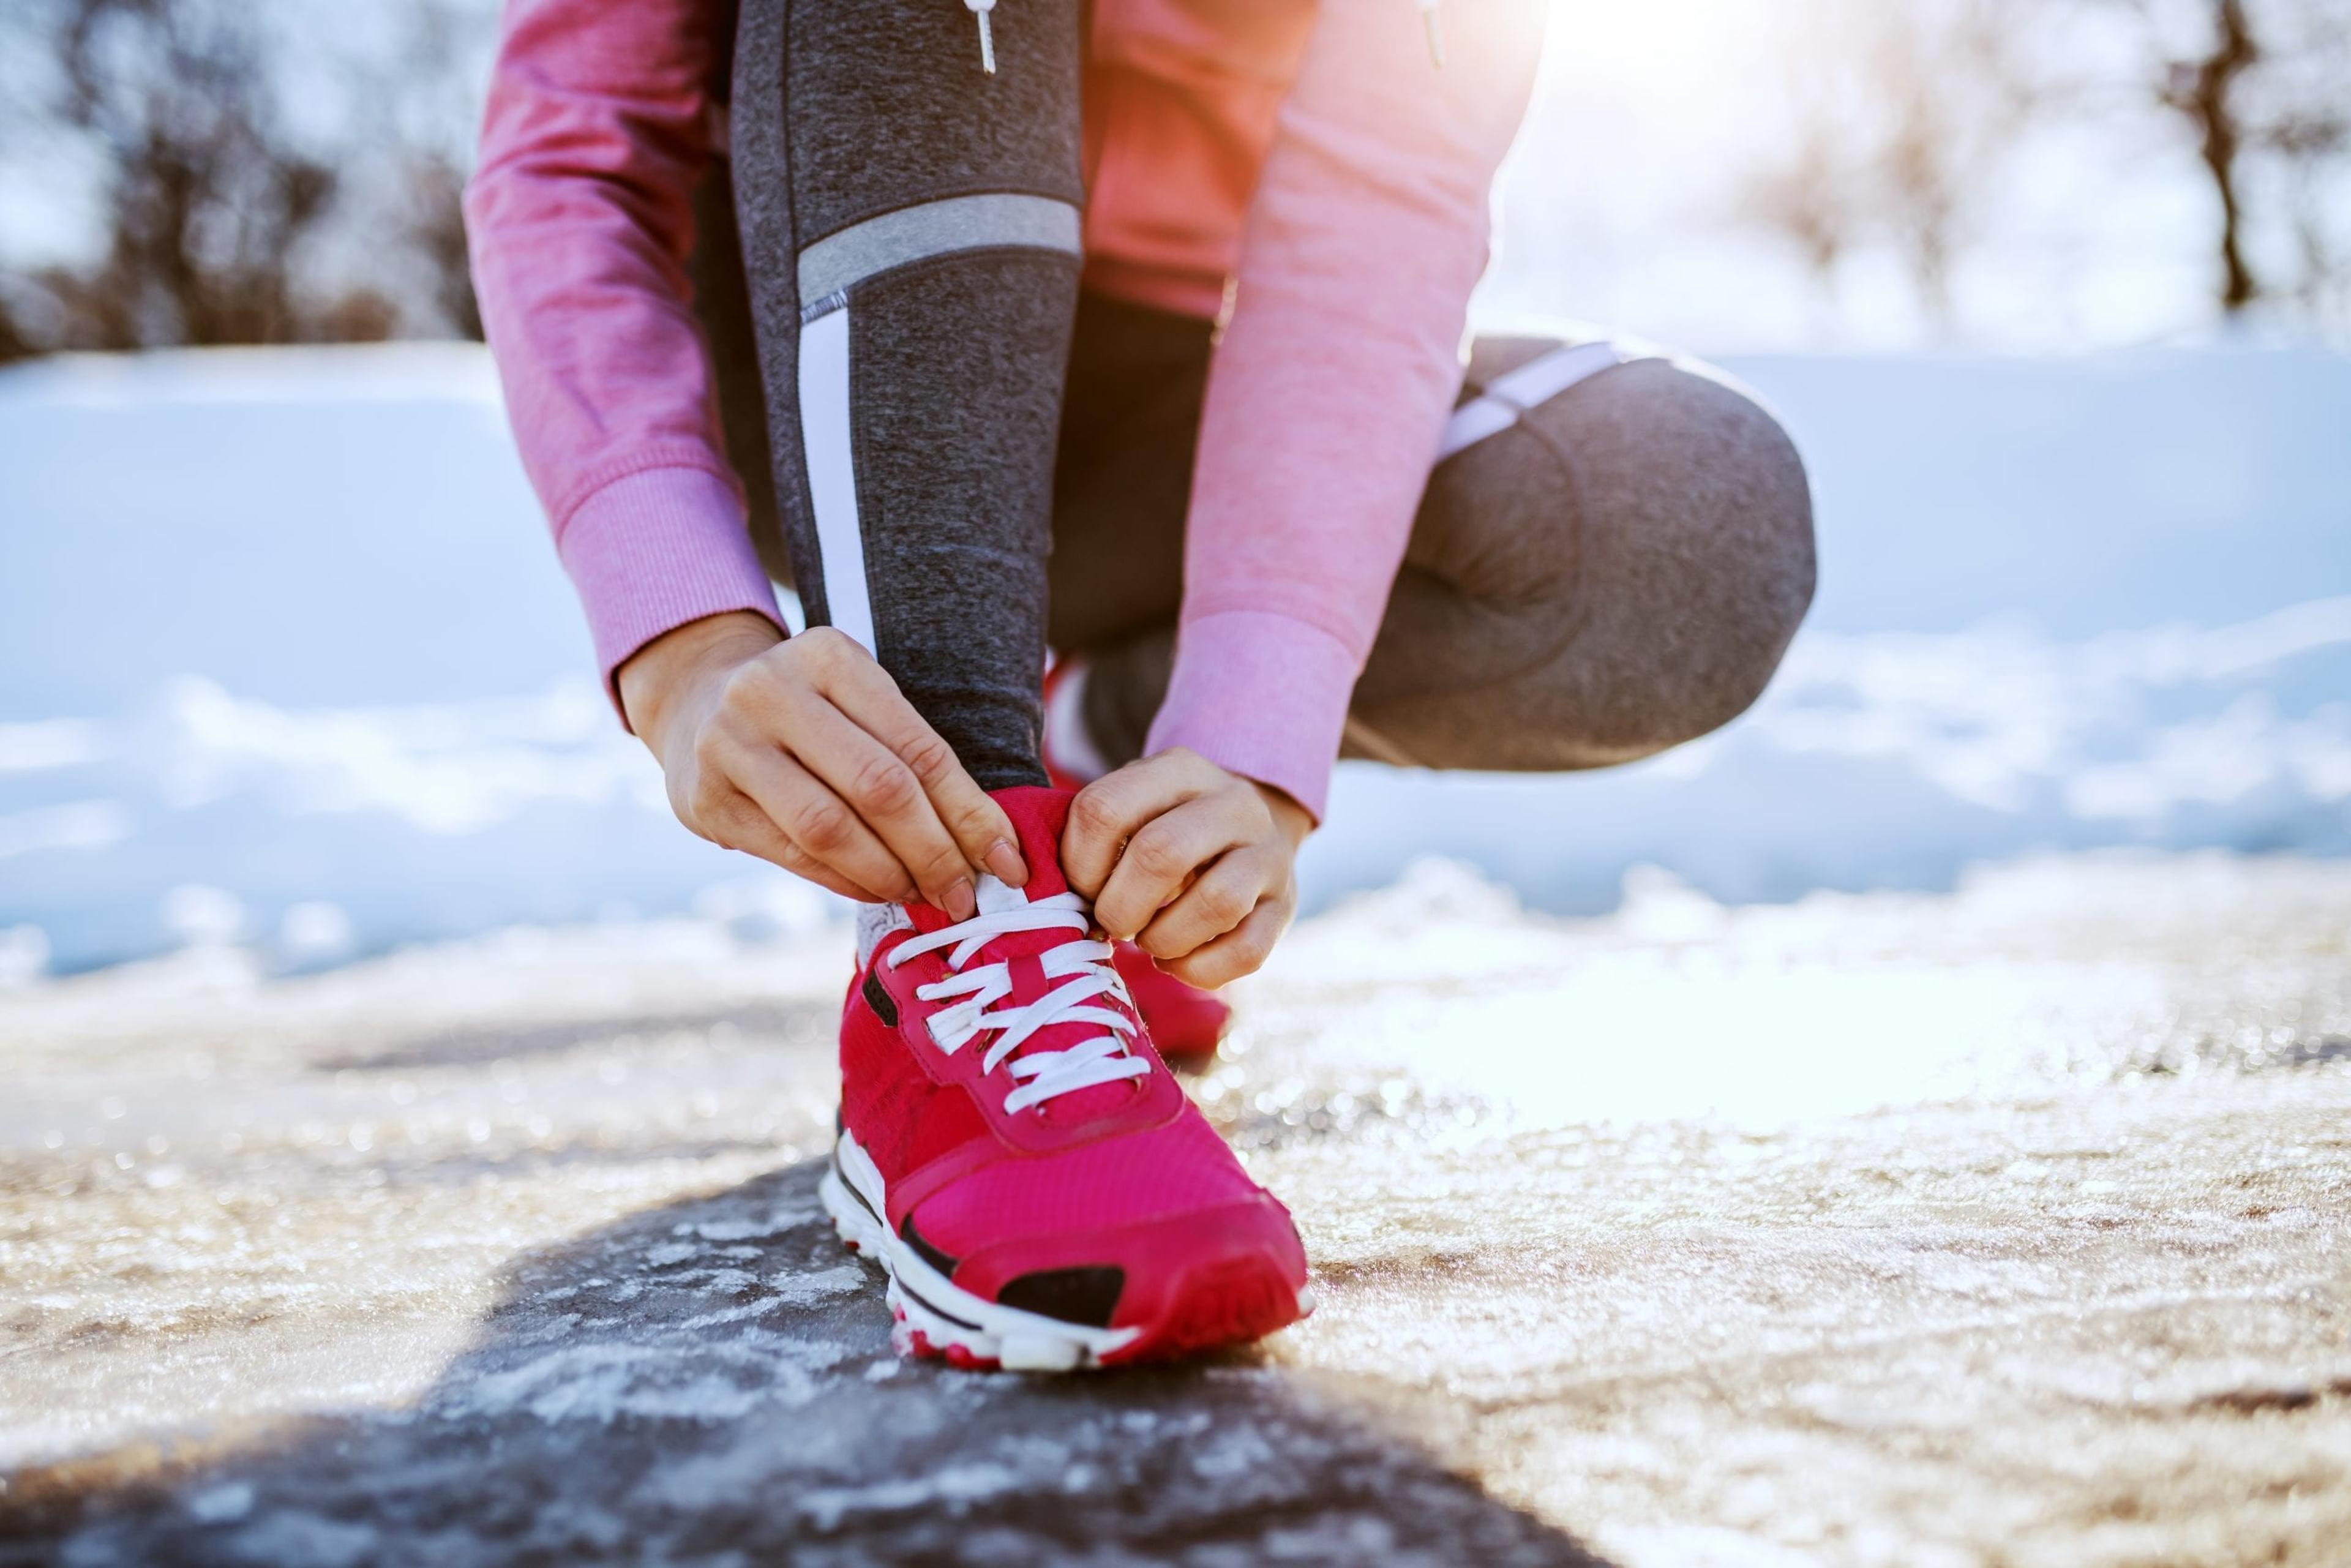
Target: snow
(287, 669)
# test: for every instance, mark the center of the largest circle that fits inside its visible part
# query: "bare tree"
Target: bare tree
(1809, 196)
(2204, 89)
(2262, 90)
(1961, 96)
(218, 220)
(423, 107)
(436, 229)
(1902, 114)
(205, 199)
(1907, 113)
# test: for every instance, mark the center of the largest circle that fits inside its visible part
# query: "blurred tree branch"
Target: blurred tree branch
(1903, 115)
(218, 221)
(2204, 89)
(2272, 86)
(1907, 117)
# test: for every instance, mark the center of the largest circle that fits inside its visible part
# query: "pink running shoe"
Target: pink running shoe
(1186, 1024)
(1018, 1158)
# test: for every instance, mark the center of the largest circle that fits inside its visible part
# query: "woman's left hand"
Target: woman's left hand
(1194, 864)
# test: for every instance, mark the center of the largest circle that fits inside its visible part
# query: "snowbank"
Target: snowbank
(288, 664)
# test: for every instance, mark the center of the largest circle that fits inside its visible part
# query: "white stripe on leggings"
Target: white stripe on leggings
(832, 473)
(1510, 397)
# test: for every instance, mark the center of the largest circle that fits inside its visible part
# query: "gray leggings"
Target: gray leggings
(1611, 562)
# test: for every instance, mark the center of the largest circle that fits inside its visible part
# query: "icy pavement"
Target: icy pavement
(2001, 1228)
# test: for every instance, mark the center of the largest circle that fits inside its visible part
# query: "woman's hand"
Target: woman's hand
(1195, 864)
(803, 752)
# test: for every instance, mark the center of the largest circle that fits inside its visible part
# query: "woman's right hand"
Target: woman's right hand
(804, 752)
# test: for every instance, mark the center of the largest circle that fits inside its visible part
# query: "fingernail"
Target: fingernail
(1005, 862)
(961, 904)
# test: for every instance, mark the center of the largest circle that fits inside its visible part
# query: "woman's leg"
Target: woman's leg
(1611, 562)
(909, 232)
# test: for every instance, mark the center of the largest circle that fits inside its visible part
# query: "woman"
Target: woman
(1130, 329)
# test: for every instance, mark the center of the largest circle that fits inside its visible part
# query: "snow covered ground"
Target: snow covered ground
(285, 658)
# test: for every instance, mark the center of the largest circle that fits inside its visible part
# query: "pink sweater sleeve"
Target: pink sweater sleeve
(580, 217)
(1338, 367)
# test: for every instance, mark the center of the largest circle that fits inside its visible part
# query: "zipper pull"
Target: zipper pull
(981, 8)
(1428, 20)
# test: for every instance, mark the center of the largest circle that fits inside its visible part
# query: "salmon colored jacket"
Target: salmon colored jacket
(1304, 169)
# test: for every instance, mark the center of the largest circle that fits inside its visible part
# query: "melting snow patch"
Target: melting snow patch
(308, 1539)
(731, 1314)
(956, 1486)
(603, 1383)
(726, 1229)
(727, 1281)
(224, 1504)
(803, 1290)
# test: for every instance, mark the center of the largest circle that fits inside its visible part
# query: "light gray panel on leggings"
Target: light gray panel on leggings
(991, 220)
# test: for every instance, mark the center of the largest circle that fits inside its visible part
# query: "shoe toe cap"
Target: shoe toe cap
(1232, 1272)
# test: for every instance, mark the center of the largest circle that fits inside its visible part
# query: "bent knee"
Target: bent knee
(1699, 562)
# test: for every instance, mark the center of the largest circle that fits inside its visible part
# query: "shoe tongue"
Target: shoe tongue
(1038, 817)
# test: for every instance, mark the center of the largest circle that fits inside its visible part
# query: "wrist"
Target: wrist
(661, 680)
(1295, 820)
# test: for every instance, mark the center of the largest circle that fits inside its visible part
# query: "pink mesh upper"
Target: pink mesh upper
(904, 1120)
(1169, 1170)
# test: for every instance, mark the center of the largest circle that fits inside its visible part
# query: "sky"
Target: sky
(1617, 205)
(1649, 122)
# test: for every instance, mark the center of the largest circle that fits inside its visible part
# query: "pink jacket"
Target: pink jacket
(1307, 162)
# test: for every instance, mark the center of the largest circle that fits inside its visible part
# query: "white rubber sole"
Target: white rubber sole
(934, 1317)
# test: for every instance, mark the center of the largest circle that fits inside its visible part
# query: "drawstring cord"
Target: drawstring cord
(981, 8)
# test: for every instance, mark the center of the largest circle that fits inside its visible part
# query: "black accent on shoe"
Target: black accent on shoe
(885, 1006)
(1086, 1296)
(923, 1249)
(933, 1308)
(849, 1187)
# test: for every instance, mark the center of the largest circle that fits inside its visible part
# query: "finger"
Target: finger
(887, 798)
(1113, 808)
(1165, 855)
(1218, 900)
(738, 823)
(1237, 953)
(865, 692)
(820, 825)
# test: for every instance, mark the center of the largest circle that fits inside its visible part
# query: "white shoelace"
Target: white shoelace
(1084, 963)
